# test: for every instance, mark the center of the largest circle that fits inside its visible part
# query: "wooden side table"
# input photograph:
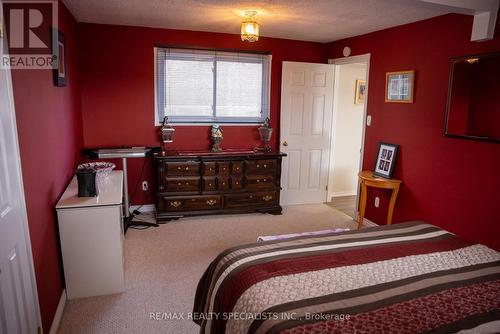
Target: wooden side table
(366, 179)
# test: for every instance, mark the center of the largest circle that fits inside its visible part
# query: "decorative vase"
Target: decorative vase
(265, 133)
(216, 137)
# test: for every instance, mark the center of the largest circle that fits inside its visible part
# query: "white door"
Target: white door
(306, 118)
(18, 300)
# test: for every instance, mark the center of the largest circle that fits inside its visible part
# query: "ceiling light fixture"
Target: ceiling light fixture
(250, 27)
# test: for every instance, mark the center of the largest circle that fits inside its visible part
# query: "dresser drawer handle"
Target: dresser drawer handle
(179, 168)
(237, 182)
(258, 166)
(175, 204)
(211, 202)
(209, 184)
(265, 180)
(179, 183)
(187, 168)
(258, 180)
(223, 168)
(187, 183)
(265, 166)
(267, 198)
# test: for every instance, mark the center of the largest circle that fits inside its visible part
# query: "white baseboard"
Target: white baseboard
(368, 222)
(343, 193)
(59, 312)
(143, 208)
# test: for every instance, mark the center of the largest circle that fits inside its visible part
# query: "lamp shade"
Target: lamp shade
(249, 27)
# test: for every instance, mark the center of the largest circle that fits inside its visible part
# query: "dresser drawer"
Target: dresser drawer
(182, 168)
(222, 183)
(223, 168)
(209, 184)
(260, 167)
(237, 167)
(209, 168)
(256, 182)
(180, 184)
(236, 182)
(192, 203)
(267, 198)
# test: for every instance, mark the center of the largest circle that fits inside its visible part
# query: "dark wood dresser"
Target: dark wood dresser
(192, 184)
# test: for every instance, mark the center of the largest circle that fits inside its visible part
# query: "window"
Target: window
(198, 86)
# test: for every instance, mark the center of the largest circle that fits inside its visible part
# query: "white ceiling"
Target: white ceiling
(311, 20)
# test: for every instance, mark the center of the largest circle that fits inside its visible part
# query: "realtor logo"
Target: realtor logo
(30, 37)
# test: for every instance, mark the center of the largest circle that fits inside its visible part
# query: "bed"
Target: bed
(404, 278)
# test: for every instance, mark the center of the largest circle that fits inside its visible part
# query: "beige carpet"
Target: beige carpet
(163, 266)
(346, 204)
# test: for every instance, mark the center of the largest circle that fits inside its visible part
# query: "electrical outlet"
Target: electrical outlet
(377, 202)
(144, 185)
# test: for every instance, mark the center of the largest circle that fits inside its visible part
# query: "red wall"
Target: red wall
(50, 136)
(452, 183)
(117, 85)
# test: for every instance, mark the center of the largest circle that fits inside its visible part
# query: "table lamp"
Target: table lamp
(167, 134)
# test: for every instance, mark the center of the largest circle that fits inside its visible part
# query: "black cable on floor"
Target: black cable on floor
(138, 181)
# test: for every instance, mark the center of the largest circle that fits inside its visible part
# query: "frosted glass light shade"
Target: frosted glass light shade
(249, 28)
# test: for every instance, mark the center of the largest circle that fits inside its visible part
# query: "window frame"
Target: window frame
(204, 121)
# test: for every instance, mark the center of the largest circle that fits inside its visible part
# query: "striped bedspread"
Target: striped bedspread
(403, 278)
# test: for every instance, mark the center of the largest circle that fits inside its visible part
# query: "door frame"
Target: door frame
(22, 200)
(364, 58)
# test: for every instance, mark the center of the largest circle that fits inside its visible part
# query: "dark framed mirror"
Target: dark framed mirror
(473, 107)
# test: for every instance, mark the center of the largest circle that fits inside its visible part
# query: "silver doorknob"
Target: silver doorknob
(285, 143)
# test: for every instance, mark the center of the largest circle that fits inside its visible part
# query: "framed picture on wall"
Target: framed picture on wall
(60, 73)
(399, 86)
(360, 92)
(386, 160)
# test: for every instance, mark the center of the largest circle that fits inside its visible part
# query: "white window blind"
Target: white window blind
(198, 86)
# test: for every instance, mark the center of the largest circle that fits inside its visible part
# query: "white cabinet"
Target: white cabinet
(91, 233)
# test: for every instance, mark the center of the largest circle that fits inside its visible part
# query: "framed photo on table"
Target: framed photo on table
(386, 160)
(399, 86)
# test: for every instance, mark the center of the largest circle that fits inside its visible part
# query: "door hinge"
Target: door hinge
(326, 188)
